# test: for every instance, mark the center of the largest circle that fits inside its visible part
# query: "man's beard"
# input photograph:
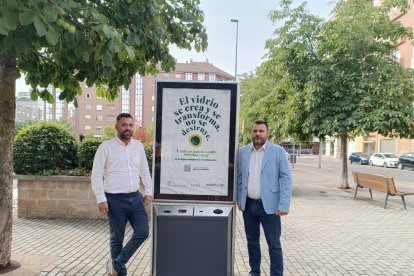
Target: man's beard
(259, 141)
(126, 135)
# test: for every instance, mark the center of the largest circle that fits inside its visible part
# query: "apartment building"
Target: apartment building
(94, 113)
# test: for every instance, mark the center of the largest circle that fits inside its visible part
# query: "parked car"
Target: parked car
(358, 157)
(384, 159)
(406, 160)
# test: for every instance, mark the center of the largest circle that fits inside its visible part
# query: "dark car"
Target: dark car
(406, 160)
(358, 157)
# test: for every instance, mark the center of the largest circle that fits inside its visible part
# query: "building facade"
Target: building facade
(94, 113)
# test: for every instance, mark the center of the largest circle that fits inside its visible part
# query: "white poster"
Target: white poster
(195, 141)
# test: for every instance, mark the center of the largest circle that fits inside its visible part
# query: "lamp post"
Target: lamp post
(237, 34)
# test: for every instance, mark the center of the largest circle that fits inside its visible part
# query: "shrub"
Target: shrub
(149, 153)
(86, 152)
(109, 132)
(43, 149)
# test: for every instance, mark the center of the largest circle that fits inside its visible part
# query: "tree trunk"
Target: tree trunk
(344, 153)
(8, 76)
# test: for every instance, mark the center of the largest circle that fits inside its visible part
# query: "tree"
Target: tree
(339, 77)
(109, 132)
(256, 91)
(64, 42)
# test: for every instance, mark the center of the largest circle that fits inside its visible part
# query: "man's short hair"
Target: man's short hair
(123, 115)
(261, 122)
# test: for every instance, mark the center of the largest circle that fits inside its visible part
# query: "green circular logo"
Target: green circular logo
(195, 140)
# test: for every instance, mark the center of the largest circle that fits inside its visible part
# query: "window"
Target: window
(166, 76)
(188, 76)
(88, 106)
(111, 107)
(98, 107)
(201, 76)
(397, 55)
(71, 110)
(212, 77)
(125, 100)
(59, 105)
(412, 59)
(110, 118)
(139, 82)
(98, 128)
(99, 118)
(88, 95)
(87, 116)
(87, 127)
(178, 76)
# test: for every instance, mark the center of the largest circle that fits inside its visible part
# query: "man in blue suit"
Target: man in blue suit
(264, 189)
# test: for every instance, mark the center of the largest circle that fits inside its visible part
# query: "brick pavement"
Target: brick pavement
(326, 233)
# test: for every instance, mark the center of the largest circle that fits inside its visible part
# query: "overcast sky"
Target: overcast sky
(254, 28)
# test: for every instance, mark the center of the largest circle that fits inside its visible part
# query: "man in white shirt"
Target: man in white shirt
(117, 168)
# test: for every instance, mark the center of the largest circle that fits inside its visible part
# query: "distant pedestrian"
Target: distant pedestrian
(117, 168)
(264, 189)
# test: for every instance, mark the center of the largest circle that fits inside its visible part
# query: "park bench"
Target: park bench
(380, 183)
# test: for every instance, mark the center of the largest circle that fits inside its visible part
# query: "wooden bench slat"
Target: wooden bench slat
(403, 194)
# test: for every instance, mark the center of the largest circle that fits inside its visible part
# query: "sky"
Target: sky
(254, 28)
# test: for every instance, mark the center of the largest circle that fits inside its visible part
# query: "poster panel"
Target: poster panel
(195, 141)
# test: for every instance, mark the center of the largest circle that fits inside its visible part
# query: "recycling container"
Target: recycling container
(192, 240)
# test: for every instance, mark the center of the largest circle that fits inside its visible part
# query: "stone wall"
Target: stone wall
(56, 197)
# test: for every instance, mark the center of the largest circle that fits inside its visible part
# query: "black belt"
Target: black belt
(123, 194)
(255, 200)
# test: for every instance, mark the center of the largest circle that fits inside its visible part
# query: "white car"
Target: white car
(384, 159)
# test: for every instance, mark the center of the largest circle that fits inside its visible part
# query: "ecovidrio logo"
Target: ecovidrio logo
(195, 140)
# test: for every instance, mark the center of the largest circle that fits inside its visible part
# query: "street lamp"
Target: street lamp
(237, 34)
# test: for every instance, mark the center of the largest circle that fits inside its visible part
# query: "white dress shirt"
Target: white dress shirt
(255, 169)
(117, 168)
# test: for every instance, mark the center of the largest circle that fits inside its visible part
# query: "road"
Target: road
(332, 166)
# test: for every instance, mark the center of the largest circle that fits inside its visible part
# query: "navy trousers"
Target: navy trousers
(253, 216)
(125, 208)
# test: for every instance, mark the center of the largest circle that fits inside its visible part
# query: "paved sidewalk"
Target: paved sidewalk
(326, 233)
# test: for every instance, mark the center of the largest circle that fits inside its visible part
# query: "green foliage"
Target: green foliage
(88, 135)
(145, 135)
(21, 124)
(335, 78)
(109, 132)
(104, 43)
(65, 123)
(78, 171)
(86, 152)
(148, 148)
(43, 149)
(256, 90)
